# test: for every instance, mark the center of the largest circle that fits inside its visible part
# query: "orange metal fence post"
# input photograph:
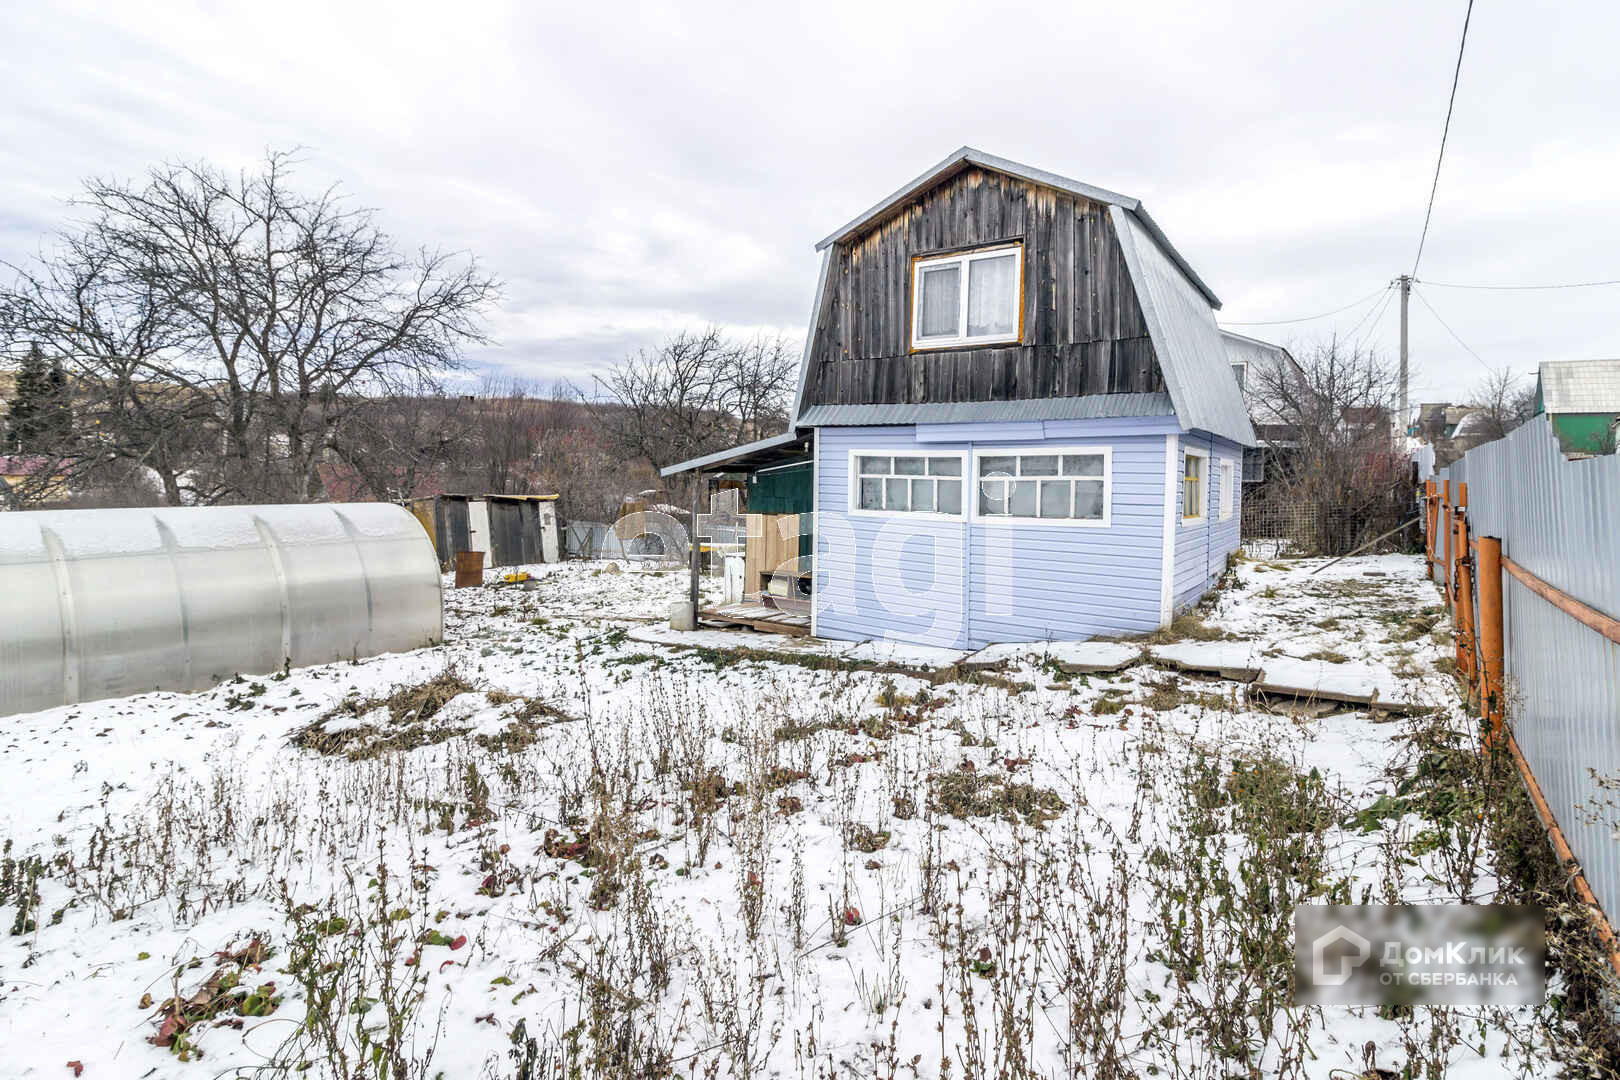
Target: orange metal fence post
(1492, 657)
(1464, 588)
(1446, 529)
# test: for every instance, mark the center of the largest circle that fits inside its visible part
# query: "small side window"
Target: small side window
(1194, 495)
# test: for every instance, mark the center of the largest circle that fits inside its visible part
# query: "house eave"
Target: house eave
(762, 453)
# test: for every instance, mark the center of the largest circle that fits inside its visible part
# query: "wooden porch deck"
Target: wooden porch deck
(759, 617)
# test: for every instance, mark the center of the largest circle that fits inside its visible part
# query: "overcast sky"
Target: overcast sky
(630, 171)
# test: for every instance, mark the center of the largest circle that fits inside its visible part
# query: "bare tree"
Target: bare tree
(1332, 448)
(513, 424)
(761, 385)
(697, 392)
(110, 335)
(405, 442)
(1505, 400)
(241, 307)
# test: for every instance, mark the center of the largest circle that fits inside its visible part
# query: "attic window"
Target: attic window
(969, 298)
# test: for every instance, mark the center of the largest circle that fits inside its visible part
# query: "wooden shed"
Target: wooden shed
(512, 530)
(522, 530)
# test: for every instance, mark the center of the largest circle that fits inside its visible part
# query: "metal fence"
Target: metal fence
(591, 540)
(1313, 527)
(1558, 520)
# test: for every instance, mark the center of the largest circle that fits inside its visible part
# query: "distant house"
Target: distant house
(1258, 365)
(1582, 401)
(1019, 416)
(43, 476)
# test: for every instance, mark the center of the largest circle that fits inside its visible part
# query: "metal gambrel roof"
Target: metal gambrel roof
(1580, 386)
(1186, 341)
(968, 156)
(810, 333)
(1088, 407)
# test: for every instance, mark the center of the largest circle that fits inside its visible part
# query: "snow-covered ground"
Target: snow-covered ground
(631, 851)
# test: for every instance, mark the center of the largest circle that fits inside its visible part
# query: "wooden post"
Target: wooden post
(1429, 504)
(1465, 589)
(1491, 654)
(1406, 293)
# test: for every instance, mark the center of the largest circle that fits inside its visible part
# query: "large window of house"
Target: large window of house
(969, 298)
(907, 483)
(1057, 486)
(1194, 495)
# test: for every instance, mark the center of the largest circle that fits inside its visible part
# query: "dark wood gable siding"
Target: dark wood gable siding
(1083, 331)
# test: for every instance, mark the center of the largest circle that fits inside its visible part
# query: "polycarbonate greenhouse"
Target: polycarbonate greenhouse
(107, 603)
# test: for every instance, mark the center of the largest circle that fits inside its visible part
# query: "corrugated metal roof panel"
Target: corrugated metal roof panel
(810, 334)
(1580, 386)
(780, 443)
(1185, 338)
(1091, 407)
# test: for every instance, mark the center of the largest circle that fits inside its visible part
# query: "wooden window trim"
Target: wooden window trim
(964, 254)
(1203, 482)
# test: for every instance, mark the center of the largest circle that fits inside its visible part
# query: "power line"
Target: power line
(1524, 288)
(1444, 131)
(1312, 318)
(1371, 313)
(1377, 313)
(1450, 331)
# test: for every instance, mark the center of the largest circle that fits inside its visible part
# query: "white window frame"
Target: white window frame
(1106, 453)
(1203, 473)
(963, 259)
(1227, 469)
(854, 485)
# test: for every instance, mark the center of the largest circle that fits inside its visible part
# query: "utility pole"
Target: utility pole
(1406, 292)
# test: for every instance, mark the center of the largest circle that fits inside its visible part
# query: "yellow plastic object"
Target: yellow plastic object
(514, 578)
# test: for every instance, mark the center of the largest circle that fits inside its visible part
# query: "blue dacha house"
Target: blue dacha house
(1017, 417)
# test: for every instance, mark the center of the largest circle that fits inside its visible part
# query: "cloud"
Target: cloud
(628, 170)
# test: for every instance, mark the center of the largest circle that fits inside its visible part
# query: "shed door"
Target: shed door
(548, 533)
(478, 525)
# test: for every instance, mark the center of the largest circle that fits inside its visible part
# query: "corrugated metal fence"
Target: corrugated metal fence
(1560, 520)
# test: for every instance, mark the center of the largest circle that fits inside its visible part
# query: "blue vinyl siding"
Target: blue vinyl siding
(966, 584)
(1202, 548)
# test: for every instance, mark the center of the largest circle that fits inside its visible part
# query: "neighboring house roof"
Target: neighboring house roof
(27, 464)
(1366, 415)
(967, 156)
(343, 483)
(1186, 340)
(1476, 425)
(1579, 386)
(1256, 355)
(1242, 349)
